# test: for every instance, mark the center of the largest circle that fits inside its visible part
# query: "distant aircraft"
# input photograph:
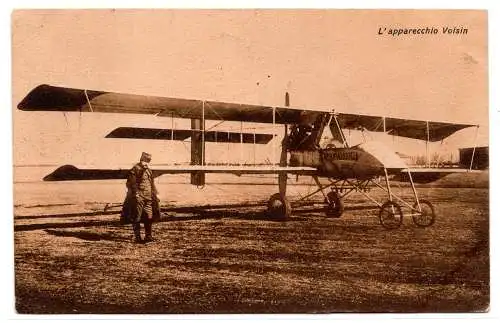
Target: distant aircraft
(348, 169)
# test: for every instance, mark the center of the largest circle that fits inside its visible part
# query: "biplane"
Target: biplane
(346, 168)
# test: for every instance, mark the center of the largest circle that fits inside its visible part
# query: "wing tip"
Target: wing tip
(26, 102)
(46, 97)
(62, 173)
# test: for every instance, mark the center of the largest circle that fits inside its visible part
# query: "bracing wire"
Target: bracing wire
(88, 101)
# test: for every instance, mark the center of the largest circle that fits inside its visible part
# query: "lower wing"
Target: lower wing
(73, 173)
(428, 175)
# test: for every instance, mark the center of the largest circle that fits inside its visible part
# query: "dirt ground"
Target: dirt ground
(229, 258)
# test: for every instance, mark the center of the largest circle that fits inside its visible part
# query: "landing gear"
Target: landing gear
(424, 215)
(390, 215)
(335, 206)
(279, 207)
(422, 212)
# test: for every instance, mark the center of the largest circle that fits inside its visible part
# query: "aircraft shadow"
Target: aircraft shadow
(68, 215)
(63, 225)
(218, 214)
(85, 235)
(117, 210)
(211, 212)
(184, 214)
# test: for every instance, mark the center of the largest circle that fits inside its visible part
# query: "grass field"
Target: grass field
(73, 257)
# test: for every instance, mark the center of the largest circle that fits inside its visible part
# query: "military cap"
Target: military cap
(146, 157)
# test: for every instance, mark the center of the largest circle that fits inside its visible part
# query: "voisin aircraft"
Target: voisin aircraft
(346, 169)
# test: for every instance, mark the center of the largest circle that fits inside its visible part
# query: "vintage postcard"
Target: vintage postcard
(250, 161)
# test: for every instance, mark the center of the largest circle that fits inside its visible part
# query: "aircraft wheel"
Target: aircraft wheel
(391, 215)
(335, 206)
(426, 217)
(279, 208)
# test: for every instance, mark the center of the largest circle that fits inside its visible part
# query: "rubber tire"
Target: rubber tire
(279, 208)
(415, 216)
(398, 211)
(335, 206)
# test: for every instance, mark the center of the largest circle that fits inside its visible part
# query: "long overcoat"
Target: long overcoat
(129, 209)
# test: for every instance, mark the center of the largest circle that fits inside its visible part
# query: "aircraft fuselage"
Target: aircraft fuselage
(364, 161)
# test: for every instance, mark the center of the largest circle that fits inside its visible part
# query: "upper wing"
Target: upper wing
(416, 129)
(73, 173)
(51, 98)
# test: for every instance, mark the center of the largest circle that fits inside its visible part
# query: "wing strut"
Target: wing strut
(474, 149)
(282, 176)
(241, 143)
(198, 150)
(203, 135)
(274, 135)
(172, 128)
(427, 160)
(254, 153)
(339, 130)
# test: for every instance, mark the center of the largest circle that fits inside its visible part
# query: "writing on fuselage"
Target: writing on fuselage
(340, 155)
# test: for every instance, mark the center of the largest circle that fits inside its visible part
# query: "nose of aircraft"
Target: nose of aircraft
(383, 154)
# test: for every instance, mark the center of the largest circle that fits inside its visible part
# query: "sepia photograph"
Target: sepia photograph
(250, 161)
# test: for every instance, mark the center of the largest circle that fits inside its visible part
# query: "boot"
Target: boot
(148, 228)
(137, 232)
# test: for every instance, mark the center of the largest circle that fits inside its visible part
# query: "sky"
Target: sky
(325, 59)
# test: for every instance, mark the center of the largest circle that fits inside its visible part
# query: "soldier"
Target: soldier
(142, 202)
